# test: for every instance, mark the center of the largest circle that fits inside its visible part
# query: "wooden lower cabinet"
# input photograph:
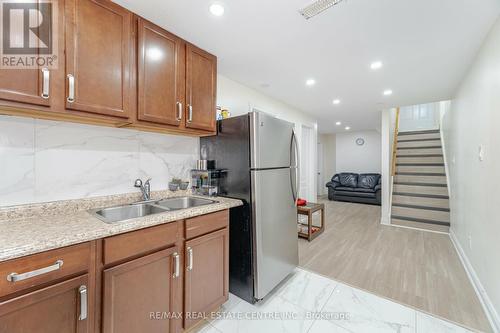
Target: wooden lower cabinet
(57, 308)
(207, 275)
(143, 295)
(149, 280)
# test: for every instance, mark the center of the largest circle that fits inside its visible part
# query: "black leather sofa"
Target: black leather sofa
(353, 187)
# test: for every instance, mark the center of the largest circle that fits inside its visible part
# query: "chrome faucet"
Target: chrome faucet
(145, 188)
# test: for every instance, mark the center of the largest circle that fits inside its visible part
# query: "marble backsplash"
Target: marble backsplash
(44, 160)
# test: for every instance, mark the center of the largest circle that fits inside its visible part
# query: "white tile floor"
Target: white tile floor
(311, 303)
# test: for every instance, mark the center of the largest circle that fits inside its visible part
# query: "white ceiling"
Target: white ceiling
(425, 45)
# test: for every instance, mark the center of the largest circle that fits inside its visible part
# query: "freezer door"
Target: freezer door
(275, 228)
(270, 141)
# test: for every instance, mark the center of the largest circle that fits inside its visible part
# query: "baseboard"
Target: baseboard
(488, 307)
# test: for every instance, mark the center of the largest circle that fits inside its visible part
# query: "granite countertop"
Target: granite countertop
(30, 229)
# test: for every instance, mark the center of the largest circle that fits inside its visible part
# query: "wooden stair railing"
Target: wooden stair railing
(395, 144)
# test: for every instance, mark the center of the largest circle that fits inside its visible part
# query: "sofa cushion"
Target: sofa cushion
(364, 190)
(355, 194)
(355, 189)
(348, 179)
(345, 188)
(368, 180)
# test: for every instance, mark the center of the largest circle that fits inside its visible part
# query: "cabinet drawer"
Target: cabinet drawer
(140, 242)
(43, 267)
(204, 224)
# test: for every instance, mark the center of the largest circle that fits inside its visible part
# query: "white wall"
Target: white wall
(473, 121)
(359, 159)
(386, 140)
(46, 160)
(240, 99)
(329, 156)
(419, 117)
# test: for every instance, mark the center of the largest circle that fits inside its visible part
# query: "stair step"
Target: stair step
(415, 206)
(418, 136)
(419, 164)
(420, 159)
(414, 219)
(424, 215)
(434, 180)
(419, 151)
(420, 144)
(421, 201)
(417, 170)
(405, 139)
(420, 225)
(419, 132)
(418, 189)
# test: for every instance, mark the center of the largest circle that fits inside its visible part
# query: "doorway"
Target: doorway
(320, 189)
(307, 188)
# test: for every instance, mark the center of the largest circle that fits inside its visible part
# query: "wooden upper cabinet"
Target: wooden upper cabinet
(201, 86)
(161, 75)
(38, 86)
(57, 308)
(98, 57)
(25, 86)
(134, 292)
(207, 274)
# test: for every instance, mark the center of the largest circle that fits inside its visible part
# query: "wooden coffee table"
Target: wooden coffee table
(312, 230)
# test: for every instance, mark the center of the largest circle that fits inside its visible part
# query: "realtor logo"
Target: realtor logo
(29, 34)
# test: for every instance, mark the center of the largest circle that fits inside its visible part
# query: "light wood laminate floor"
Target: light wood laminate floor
(416, 268)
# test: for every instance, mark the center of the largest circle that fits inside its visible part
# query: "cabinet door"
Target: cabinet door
(31, 86)
(98, 57)
(161, 75)
(25, 86)
(59, 308)
(201, 86)
(207, 273)
(140, 295)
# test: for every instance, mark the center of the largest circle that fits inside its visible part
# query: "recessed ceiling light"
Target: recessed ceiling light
(311, 82)
(336, 101)
(347, 128)
(216, 9)
(387, 92)
(338, 123)
(376, 65)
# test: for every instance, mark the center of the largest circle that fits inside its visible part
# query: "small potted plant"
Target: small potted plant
(174, 184)
(184, 185)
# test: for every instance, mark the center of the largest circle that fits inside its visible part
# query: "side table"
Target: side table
(310, 231)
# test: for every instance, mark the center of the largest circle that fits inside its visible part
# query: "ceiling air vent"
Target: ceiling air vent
(317, 7)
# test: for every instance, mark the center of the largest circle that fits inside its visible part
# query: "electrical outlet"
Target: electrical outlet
(470, 242)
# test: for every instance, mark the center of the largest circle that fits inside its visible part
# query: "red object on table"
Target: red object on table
(301, 202)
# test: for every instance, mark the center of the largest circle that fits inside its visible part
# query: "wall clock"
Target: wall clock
(360, 141)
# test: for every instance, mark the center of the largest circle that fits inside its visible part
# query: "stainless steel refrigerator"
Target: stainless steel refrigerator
(260, 155)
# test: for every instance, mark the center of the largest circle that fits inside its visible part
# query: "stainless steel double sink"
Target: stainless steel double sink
(142, 209)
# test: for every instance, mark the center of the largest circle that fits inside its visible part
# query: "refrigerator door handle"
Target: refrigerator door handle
(294, 149)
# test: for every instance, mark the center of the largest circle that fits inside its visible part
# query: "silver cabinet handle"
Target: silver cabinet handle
(190, 113)
(14, 277)
(190, 259)
(179, 111)
(71, 88)
(45, 83)
(176, 265)
(83, 302)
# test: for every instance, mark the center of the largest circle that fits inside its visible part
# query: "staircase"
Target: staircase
(420, 193)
